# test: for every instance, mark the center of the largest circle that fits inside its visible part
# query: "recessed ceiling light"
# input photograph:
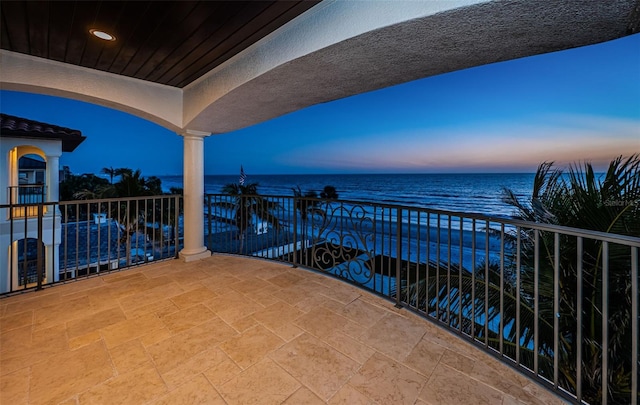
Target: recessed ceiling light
(103, 35)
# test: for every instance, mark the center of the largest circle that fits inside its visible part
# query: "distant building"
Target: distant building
(29, 157)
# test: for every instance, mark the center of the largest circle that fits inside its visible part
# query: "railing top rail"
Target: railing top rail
(578, 232)
(27, 185)
(95, 201)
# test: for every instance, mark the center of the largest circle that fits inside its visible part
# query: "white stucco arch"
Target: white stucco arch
(23, 150)
(155, 102)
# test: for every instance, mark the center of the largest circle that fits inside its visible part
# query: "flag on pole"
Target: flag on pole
(243, 177)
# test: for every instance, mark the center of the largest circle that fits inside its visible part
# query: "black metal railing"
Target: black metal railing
(27, 194)
(56, 242)
(559, 304)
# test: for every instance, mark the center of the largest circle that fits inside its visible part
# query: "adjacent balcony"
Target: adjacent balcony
(26, 199)
(334, 301)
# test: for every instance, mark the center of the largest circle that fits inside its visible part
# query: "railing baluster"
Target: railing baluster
(437, 292)
(460, 264)
(88, 223)
(449, 270)
(25, 275)
(605, 322)
(40, 237)
(398, 256)
(518, 289)
(579, 320)
(501, 323)
(427, 281)
(536, 298)
(473, 279)
(556, 305)
(486, 284)
(176, 226)
(634, 325)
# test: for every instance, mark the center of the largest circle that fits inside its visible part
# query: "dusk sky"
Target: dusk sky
(575, 105)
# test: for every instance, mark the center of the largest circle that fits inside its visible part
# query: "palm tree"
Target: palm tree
(308, 205)
(329, 193)
(110, 171)
(578, 198)
(247, 203)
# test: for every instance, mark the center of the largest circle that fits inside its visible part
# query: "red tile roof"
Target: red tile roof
(17, 127)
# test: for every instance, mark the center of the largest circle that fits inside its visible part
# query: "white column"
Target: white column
(52, 182)
(194, 248)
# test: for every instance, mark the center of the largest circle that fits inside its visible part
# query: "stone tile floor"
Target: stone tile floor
(230, 330)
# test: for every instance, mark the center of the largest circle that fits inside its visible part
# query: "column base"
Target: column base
(193, 256)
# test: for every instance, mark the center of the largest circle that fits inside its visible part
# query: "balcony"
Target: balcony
(26, 199)
(494, 297)
(237, 331)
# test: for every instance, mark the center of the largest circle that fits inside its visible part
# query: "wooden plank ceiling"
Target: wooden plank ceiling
(168, 42)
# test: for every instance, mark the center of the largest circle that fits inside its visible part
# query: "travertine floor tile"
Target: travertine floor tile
(314, 301)
(194, 366)
(277, 315)
(56, 314)
(401, 337)
(388, 382)
(287, 279)
(265, 297)
(130, 356)
(16, 321)
(264, 383)
(232, 306)
(178, 349)
(424, 357)
(150, 296)
(458, 361)
(116, 334)
(83, 368)
(22, 348)
(303, 396)
(187, 318)
(318, 366)
(541, 395)
(195, 392)
(95, 321)
(83, 340)
(362, 313)
(251, 285)
(349, 346)
(193, 297)
(222, 372)
(251, 346)
(14, 387)
(341, 292)
(136, 387)
(32, 301)
(322, 322)
(350, 396)
(449, 386)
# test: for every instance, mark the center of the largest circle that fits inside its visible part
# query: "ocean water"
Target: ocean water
(469, 193)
